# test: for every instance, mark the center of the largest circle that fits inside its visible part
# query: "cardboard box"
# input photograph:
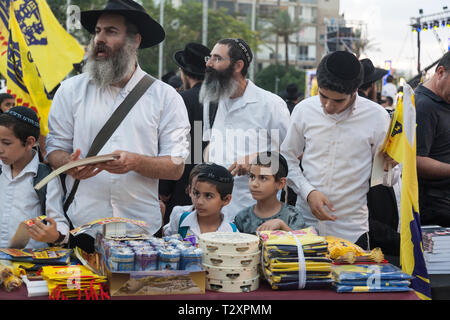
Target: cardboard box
(156, 282)
(137, 283)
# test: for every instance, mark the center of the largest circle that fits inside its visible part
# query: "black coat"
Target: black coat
(383, 221)
(177, 189)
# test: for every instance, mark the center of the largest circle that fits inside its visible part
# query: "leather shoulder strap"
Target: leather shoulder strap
(110, 126)
(119, 114)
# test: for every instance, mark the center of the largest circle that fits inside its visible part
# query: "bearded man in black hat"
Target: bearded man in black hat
(191, 63)
(151, 141)
(241, 119)
(339, 134)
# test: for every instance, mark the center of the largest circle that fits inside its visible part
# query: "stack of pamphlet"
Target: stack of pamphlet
(381, 277)
(436, 246)
(295, 260)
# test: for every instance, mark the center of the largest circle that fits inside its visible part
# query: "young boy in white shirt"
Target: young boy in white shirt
(210, 192)
(19, 131)
(267, 177)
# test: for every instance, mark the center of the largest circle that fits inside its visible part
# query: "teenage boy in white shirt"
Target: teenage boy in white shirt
(339, 133)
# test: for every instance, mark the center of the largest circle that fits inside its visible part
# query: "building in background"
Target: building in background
(322, 29)
(305, 48)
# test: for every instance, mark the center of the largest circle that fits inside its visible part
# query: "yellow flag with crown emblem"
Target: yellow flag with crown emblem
(36, 53)
(401, 147)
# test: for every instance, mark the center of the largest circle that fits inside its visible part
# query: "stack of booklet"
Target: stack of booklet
(383, 277)
(436, 246)
(281, 253)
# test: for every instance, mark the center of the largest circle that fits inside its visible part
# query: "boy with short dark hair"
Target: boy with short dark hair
(19, 131)
(210, 191)
(7, 101)
(267, 176)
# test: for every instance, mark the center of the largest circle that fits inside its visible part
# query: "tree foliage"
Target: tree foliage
(267, 78)
(182, 25)
(283, 26)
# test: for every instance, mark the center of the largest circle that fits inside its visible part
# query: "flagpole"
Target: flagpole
(161, 45)
(205, 23)
(252, 65)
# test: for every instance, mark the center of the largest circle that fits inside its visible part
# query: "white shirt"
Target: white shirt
(190, 221)
(157, 125)
(20, 202)
(389, 89)
(337, 160)
(255, 122)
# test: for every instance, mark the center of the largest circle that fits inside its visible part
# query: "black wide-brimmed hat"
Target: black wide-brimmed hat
(371, 74)
(151, 31)
(292, 92)
(192, 58)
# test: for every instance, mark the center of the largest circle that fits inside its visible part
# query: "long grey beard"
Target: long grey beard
(212, 90)
(113, 69)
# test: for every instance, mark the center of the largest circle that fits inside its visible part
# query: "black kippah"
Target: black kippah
(246, 51)
(214, 172)
(343, 65)
(24, 114)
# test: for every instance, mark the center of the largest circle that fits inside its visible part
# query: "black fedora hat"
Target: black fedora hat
(192, 58)
(292, 92)
(151, 31)
(371, 74)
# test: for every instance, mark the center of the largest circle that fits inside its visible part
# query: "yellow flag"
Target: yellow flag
(401, 147)
(36, 53)
(23, 78)
(53, 50)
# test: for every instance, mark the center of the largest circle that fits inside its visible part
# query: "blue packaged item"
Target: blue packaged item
(136, 243)
(192, 239)
(168, 259)
(146, 259)
(121, 259)
(191, 259)
(341, 289)
(381, 283)
(172, 237)
(372, 272)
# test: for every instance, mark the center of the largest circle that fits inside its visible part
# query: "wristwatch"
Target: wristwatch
(58, 241)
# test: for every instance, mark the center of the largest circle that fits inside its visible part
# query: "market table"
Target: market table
(263, 293)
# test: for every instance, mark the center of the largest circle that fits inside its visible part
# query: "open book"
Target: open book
(78, 163)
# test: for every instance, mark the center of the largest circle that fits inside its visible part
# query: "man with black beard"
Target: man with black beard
(151, 141)
(240, 119)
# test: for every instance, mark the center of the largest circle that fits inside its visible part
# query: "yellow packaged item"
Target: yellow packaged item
(73, 281)
(341, 250)
(293, 266)
(8, 280)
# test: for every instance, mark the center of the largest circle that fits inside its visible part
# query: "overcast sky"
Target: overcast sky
(388, 28)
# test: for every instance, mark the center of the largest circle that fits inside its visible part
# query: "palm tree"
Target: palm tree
(362, 44)
(283, 26)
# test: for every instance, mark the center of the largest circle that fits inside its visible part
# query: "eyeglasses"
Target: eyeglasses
(215, 59)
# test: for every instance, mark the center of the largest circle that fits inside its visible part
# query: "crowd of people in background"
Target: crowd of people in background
(306, 159)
